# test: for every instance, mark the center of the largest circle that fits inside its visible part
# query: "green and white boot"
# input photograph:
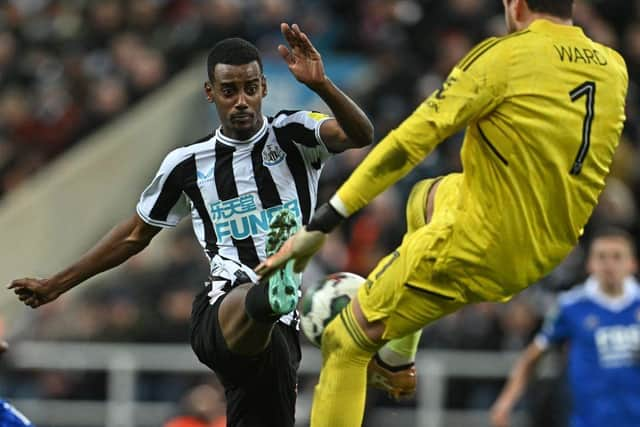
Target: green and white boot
(284, 284)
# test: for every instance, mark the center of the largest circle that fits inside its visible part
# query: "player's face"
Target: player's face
(611, 260)
(237, 91)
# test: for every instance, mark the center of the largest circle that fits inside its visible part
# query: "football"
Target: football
(324, 301)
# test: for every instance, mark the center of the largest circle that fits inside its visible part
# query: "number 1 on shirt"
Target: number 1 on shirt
(587, 89)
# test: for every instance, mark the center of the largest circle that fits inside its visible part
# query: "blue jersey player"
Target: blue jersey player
(10, 416)
(600, 321)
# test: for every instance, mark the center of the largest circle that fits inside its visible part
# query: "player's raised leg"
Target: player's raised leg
(392, 369)
(339, 397)
(387, 307)
(248, 313)
(404, 293)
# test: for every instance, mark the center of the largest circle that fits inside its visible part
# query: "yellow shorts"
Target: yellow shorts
(409, 289)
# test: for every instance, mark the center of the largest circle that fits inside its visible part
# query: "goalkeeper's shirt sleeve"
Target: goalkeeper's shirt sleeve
(472, 90)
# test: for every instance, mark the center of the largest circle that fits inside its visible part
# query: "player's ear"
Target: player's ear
(521, 10)
(634, 265)
(208, 91)
(264, 86)
(590, 267)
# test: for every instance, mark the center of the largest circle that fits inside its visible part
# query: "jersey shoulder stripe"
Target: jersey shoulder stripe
(180, 154)
(171, 190)
(475, 50)
(200, 140)
(309, 119)
(303, 128)
(298, 133)
(284, 113)
(486, 48)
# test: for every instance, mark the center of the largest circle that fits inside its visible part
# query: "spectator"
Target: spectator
(203, 406)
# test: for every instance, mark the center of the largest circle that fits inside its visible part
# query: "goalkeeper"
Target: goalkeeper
(543, 109)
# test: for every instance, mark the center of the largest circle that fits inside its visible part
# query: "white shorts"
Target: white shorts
(226, 274)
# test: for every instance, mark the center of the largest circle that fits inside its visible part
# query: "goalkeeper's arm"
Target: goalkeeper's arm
(468, 94)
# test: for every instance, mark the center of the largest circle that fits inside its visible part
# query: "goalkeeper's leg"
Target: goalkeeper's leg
(392, 369)
(348, 344)
(400, 297)
(339, 397)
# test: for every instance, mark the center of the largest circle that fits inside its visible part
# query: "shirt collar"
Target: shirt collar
(256, 137)
(548, 27)
(630, 292)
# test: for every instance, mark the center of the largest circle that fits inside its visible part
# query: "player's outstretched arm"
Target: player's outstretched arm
(516, 384)
(121, 243)
(352, 128)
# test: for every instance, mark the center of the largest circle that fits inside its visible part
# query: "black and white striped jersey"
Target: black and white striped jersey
(232, 188)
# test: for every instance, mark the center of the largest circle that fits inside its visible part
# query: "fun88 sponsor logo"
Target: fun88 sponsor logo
(240, 218)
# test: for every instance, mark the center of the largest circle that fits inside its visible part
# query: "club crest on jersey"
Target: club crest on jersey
(272, 155)
(591, 322)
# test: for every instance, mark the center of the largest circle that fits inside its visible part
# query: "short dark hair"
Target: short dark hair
(232, 51)
(559, 8)
(614, 232)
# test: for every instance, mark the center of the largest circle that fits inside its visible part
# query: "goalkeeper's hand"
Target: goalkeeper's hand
(300, 247)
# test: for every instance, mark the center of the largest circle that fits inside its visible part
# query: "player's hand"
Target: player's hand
(4, 346)
(35, 292)
(304, 61)
(300, 247)
(500, 414)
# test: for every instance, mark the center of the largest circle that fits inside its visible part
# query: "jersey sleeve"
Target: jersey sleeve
(163, 203)
(303, 129)
(556, 328)
(10, 416)
(473, 89)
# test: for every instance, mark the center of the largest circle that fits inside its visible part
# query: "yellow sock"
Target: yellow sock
(401, 351)
(340, 394)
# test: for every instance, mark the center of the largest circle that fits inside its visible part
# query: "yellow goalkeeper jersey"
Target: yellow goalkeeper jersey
(543, 110)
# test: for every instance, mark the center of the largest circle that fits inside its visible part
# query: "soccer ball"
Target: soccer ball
(325, 300)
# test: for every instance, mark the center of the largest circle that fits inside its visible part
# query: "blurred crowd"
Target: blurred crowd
(68, 66)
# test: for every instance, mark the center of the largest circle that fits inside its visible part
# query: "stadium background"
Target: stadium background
(94, 93)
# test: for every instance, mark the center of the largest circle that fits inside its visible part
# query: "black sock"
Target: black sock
(257, 304)
(392, 368)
